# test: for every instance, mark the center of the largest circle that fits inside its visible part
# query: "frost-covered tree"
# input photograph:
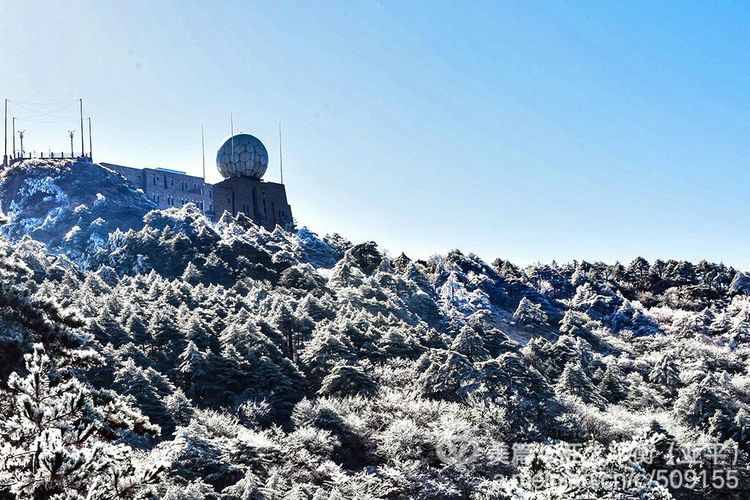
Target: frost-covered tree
(136, 328)
(470, 344)
(284, 320)
(530, 315)
(612, 385)
(149, 388)
(445, 374)
(326, 350)
(666, 373)
(574, 381)
(193, 368)
(639, 273)
(699, 402)
(347, 380)
(54, 441)
(394, 344)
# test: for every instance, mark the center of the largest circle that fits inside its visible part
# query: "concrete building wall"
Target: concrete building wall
(133, 175)
(168, 188)
(172, 189)
(264, 202)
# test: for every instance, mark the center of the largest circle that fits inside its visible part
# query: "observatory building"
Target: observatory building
(242, 160)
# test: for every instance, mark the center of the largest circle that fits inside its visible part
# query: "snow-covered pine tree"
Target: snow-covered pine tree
(666, 373)
(530, 315)
(53, 441)
(192, 369)
(470, 344)
(576, 382)
(612, 385)
(345, 380)
(282, 317)
(143, 385)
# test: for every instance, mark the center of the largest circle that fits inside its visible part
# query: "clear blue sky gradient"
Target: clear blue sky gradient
(529, 131)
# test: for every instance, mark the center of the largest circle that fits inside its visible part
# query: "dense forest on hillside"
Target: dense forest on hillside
(181, 359)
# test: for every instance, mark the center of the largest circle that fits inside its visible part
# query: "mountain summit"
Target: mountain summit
(71, 206)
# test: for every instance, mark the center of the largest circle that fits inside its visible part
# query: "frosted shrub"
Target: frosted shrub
(403, 440)
(317, 441)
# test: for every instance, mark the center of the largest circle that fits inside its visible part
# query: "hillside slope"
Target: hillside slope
(69, 205)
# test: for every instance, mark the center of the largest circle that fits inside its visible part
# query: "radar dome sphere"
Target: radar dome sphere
(242, 155)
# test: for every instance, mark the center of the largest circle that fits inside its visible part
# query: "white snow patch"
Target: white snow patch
(44, 185)
(72, 233)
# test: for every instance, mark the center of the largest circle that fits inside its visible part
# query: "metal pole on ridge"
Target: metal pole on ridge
(91, 154)
(83, 150)
(281, 156)
(5, 151)
(203, 151)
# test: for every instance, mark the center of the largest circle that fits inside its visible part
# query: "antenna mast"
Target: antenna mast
(5, 151)
(281, 156)
(20, 134)
(203, 151)
(231, 133)
(91, 154)
(14, 137)
(72, 153)
(83, 152)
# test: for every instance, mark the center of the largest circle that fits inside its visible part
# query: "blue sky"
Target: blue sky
(529, 131)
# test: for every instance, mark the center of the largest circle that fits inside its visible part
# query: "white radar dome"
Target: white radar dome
(242, 155)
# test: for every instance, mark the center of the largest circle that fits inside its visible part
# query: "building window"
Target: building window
(155, 179)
